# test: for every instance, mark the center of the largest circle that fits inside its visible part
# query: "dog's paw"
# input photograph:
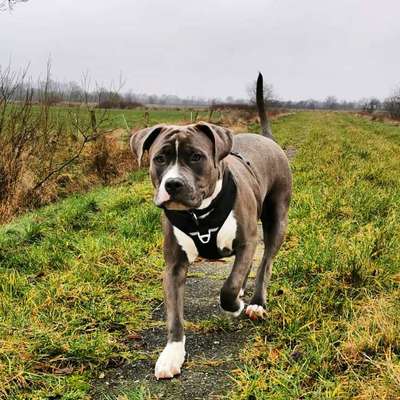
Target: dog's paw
(235, 314)
(254, 311)
(170, 361)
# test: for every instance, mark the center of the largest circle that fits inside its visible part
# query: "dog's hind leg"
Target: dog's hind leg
(274, 222)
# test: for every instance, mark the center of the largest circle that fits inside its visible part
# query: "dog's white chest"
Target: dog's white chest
(187, 244)
(227, 233)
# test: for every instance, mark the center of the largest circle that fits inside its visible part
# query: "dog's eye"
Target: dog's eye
(160, 159)
(195, 157)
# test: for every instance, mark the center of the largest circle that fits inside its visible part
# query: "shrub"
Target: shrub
(39, 141)
(392, 104)
(109, 100)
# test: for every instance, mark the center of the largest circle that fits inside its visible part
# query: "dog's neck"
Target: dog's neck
(217, 188)
(220, 196)
(206, 202)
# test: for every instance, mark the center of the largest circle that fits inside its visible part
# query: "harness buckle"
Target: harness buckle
(206, 237)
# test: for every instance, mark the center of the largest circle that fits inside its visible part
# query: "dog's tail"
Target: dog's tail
(264, 122)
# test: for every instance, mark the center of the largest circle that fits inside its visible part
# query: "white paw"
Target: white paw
(235, 314)
(170, 361)
(255, 311)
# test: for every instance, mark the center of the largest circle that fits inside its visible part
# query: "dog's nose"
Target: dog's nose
(173, 185)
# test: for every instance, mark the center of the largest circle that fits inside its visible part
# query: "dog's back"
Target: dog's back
(265, 157)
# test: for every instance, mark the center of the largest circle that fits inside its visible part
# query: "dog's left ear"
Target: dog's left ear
(143, 139)
(221, 137)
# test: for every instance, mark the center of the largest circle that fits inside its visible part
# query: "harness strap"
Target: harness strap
(203, 225)
(246, 162)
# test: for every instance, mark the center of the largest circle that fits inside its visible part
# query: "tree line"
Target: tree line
(85, 92)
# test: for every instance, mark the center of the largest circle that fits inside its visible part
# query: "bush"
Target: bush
(109, 100)
(392, 104)
(40, 142)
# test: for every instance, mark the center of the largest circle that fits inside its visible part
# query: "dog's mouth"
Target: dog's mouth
(175, 203)
(175, 206)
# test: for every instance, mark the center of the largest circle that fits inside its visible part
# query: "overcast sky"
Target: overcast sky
(212, 48)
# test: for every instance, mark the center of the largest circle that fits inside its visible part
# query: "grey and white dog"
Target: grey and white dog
(189, 167)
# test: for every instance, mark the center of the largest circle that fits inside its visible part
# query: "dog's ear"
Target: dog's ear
(221, 137)
(143, 139)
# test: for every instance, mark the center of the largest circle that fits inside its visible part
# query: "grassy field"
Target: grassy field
(64, 145)
(120, 119)
(79, 279)
(137, 117)
(333, 325)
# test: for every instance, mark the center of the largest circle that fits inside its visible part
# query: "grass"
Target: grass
(136, 117)
(77, 279)
(120, 119)
(50, 164)
(80, 277)
(333, 324)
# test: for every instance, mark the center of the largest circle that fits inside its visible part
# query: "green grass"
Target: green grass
(134, 118)
(77, 277)
(333, 325)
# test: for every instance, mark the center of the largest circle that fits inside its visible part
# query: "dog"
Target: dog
(213, 187)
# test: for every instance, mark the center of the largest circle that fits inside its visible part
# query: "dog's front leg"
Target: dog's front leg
(230, 293)
(172, 357)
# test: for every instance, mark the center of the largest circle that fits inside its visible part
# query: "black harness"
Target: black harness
(203, 225)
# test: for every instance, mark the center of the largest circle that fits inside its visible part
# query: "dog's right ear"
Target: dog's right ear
(142, 141)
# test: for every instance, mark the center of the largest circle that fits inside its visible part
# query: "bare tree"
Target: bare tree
(392, 104)
(331, 103)
(370, 105)
(269, 95)
(9, 4)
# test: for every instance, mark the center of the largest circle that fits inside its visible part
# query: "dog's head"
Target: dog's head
(185, 162)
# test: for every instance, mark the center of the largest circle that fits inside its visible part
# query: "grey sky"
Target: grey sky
(212, 48)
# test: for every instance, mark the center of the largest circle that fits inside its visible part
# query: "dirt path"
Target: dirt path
(213, 340)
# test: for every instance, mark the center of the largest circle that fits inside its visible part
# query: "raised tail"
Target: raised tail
(264, 122)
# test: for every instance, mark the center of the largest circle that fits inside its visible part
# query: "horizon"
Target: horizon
(123, 92)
